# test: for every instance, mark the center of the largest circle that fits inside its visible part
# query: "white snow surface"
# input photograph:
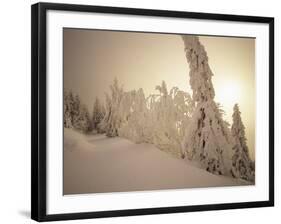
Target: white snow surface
(98, 164)
(75, 141)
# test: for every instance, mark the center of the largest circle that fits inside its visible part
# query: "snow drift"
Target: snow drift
(119, 165)
(74, 140)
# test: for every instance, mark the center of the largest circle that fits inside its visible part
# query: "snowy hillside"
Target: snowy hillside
(96, 163)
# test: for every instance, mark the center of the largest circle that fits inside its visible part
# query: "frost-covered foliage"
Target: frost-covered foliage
(133, 113)
(76, 114)
(169, 116)
(111, 122)
(68, 105)
(208, 139)
(200, 75)
(242, 166)
(161, 119)
(98, 114)
(83, 122)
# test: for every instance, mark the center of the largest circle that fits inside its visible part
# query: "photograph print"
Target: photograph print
(157, 111)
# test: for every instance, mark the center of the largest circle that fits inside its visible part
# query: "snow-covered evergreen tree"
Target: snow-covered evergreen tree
(75, 112)
(66, 110)
(71, 101)
(76, 115)
(112, 119)
(207, 138)
(98, 114)
(242, 166)
(83, 121)
(68, 105)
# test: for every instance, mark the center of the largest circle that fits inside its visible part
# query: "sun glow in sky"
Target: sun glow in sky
(92, 59)
(228, 93)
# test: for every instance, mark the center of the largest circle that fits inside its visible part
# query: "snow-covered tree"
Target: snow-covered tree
(207, 139)
(98, 114)
(66, 110)
(68, 105)
(242, 166)
(83, 121)
(133, 112)
(160, 119)
(112, 118)
(76, 115)
(75, 112)
(169, 114)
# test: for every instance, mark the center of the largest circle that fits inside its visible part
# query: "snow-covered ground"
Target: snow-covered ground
(96, 163)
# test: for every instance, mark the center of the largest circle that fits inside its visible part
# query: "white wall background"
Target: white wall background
(15, 110)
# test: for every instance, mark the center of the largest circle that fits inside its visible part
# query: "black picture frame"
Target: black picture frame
(39, 107)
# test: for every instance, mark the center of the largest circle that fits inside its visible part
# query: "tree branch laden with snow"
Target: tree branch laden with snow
(207, 140)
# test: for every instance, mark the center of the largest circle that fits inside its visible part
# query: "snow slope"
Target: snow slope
(96, 163)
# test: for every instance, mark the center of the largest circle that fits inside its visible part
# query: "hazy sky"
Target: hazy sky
(142, 60)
